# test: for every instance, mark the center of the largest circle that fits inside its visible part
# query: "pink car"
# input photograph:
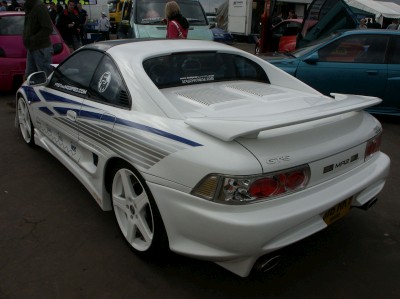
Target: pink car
(13, 52)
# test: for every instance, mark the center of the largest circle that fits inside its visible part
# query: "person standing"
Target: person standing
(83, 16)
(394, 25)
(3, 5)
(177, 25)
(53, 12)
(36, 37)
(69, 26)
(104, 26)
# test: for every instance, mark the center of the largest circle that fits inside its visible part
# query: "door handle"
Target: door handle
(71, 115)
(371, 72)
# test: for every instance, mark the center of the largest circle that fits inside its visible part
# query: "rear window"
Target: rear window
(201, 67)
(149, 12)
(12, 25)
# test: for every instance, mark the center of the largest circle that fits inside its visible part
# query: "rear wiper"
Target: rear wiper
(190, 20)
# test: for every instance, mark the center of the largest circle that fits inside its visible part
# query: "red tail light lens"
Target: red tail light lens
(373, 146)
(264, 187)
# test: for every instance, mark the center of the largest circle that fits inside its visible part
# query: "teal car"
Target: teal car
(146, 19)
(363, 62)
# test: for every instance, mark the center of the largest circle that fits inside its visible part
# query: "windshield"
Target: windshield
(312, 45)
(152, 12)
(324, 17)
(112, 6)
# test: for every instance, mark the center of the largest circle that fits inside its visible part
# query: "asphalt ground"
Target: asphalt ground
(55, 242)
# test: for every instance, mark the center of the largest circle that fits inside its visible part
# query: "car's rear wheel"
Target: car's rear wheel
(25, 122)
(136, 211)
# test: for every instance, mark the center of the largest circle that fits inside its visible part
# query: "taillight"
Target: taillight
(247, 189)
(57, 48)
(373, 146)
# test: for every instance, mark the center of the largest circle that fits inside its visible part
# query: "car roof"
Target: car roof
(12, 13)
(154, 47)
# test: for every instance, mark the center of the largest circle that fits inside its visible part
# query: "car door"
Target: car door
(352, 64)
(64, 96)
(391, 95)
(106, 99)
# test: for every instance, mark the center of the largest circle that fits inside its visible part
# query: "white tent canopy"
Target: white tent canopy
(379, 8)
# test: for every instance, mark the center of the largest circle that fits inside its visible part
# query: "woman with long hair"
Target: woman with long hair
(177, 25)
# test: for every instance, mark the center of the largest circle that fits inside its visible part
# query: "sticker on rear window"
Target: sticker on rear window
(104, 81)
(197, 79)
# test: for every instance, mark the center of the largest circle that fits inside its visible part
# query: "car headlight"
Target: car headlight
(248, 189)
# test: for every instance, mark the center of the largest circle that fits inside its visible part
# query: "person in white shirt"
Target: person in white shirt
(104, 26)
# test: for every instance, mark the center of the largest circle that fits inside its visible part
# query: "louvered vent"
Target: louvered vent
(123, 98)
(255, 88)
(208, 96)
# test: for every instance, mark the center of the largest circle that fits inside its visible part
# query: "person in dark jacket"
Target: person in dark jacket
(36, 37)
(69, 26)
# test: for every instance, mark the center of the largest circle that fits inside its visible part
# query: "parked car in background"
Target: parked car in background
(222, 36)
(365, 62)
(283, 36)
(204, 149)
(13, 52)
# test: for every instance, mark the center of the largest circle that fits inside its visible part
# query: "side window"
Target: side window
(358, 49)
(394, 55)
(74, 75)
(107, 85)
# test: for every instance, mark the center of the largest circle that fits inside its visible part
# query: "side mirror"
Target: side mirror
(37, 78)
(312, 59)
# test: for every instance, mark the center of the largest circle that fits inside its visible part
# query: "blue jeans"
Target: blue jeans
(39, 60)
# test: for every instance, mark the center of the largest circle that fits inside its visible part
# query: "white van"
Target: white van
(143, 19)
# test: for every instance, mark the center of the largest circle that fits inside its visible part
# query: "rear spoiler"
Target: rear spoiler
(227, 129)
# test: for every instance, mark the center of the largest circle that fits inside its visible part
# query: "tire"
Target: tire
(136, 212)
(24, 122)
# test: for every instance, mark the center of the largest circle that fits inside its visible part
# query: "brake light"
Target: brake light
(373, 146)
(247, 189)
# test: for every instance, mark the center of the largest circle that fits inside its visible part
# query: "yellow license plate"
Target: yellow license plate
(337, 212)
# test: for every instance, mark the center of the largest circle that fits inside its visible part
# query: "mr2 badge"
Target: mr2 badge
(341, 163)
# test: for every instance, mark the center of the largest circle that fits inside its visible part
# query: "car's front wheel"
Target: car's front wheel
(136, 212)
(25, 122)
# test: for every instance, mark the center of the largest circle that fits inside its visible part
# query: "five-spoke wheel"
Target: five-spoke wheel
(135, 210)
(24, 120)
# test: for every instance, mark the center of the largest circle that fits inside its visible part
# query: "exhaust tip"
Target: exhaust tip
(269, 262)
(369, 204)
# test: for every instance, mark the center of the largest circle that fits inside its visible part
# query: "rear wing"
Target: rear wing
(227, 129)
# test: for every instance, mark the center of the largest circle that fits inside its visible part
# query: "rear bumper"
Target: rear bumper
(236, 236)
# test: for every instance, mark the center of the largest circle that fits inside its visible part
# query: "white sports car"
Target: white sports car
(203, 148)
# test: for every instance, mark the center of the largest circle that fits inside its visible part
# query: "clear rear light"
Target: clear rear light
(373, 146)
(249, 189)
